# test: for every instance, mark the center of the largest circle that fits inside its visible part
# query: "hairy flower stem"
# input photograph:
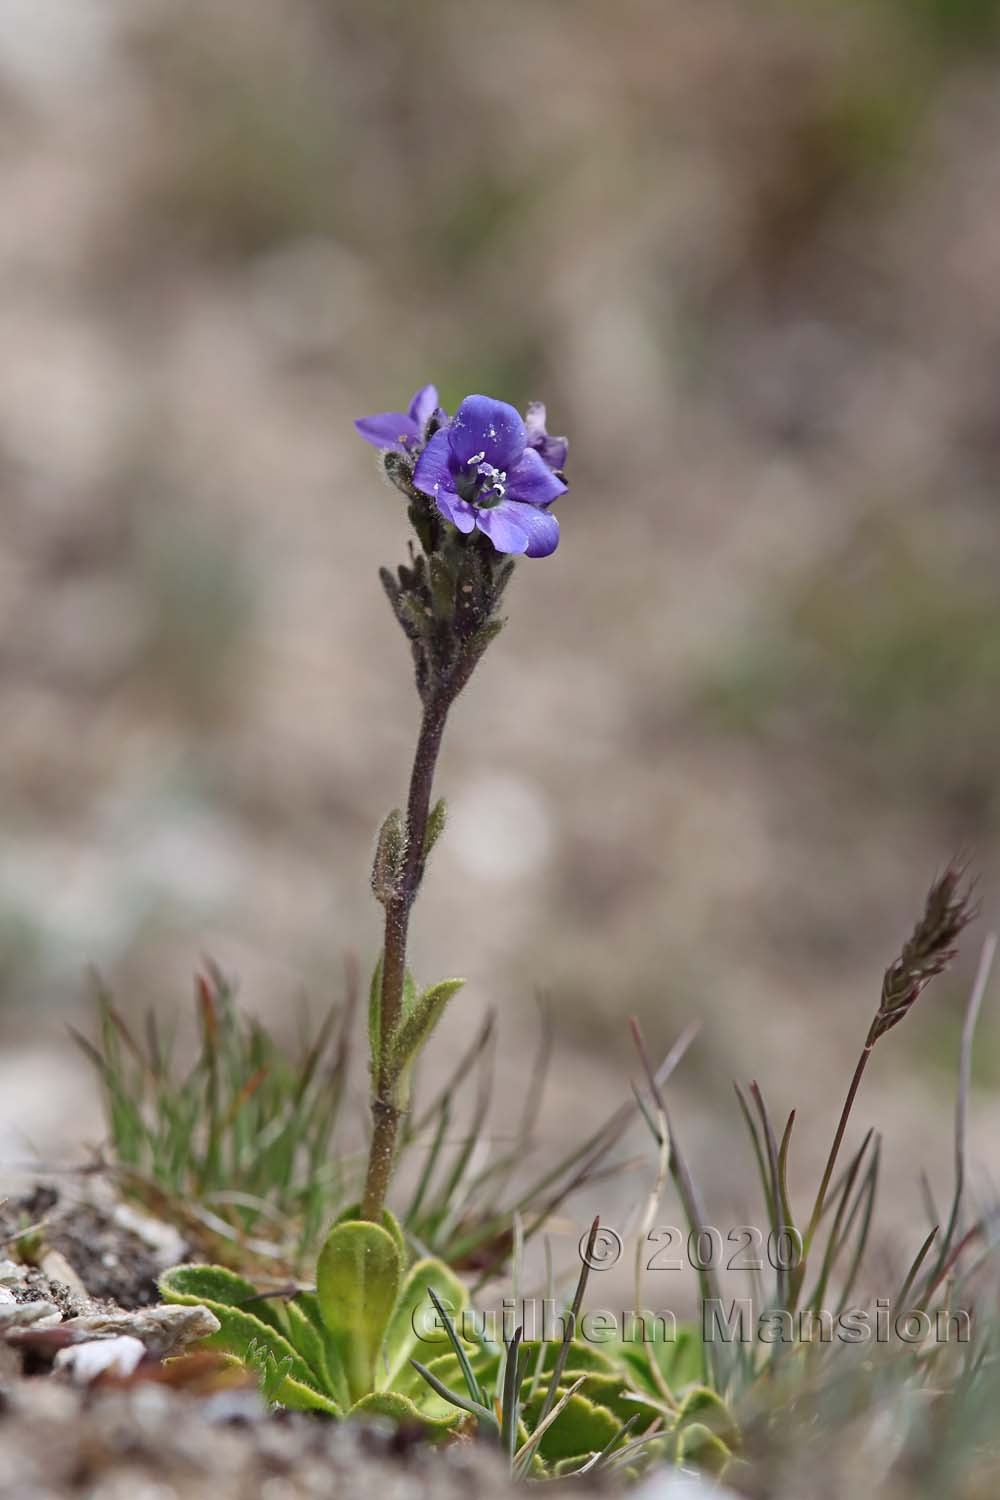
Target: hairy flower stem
(386, 1111)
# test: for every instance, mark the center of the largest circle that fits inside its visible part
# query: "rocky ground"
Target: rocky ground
(152, 1443)
(739, 719)
(88, 1409)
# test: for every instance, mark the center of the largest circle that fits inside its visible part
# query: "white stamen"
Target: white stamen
(497, 477)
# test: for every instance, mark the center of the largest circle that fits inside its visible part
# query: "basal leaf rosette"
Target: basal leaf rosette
(346, 1348)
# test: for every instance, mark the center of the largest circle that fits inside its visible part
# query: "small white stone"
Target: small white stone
(161, 1329)
(29, 1315)
(117, 1356)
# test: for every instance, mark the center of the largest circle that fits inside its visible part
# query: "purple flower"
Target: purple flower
(552, 449)
(400, 429)
(481, 471)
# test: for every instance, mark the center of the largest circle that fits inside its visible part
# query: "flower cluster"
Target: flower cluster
(486, 469)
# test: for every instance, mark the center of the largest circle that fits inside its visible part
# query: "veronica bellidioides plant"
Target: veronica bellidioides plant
(479, 492)
(479, 487)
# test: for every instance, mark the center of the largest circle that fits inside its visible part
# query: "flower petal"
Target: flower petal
(541, 526)
(388, 429)
(491, 428)
(534, 421)
(456, 510)
(554, 450)
(422, 405)
(433, 470)
(532, 480)
(503, 527)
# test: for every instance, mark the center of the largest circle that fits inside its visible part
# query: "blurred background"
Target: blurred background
(750, 258)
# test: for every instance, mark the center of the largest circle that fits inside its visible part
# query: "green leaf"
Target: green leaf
(401, 1409)
(272, 1371)
(447, 1371)
(610, 1391)
(409, 1000)
(279, 1386)
(469, 1364)
(410, 995)
(298, 1396)
(708, 1408)
(243, 1333)
(306, 1340)
(357, 1282)
(414, 616)
(581, 1428)
(510, 1398)
(307, 1303)
(402, 1341)
(198, 1283)
(449, 1397)
(390, 1224)
(436, 820)
(421, 1018)
(697, 1444)
(582, 1358)
(478, 642)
